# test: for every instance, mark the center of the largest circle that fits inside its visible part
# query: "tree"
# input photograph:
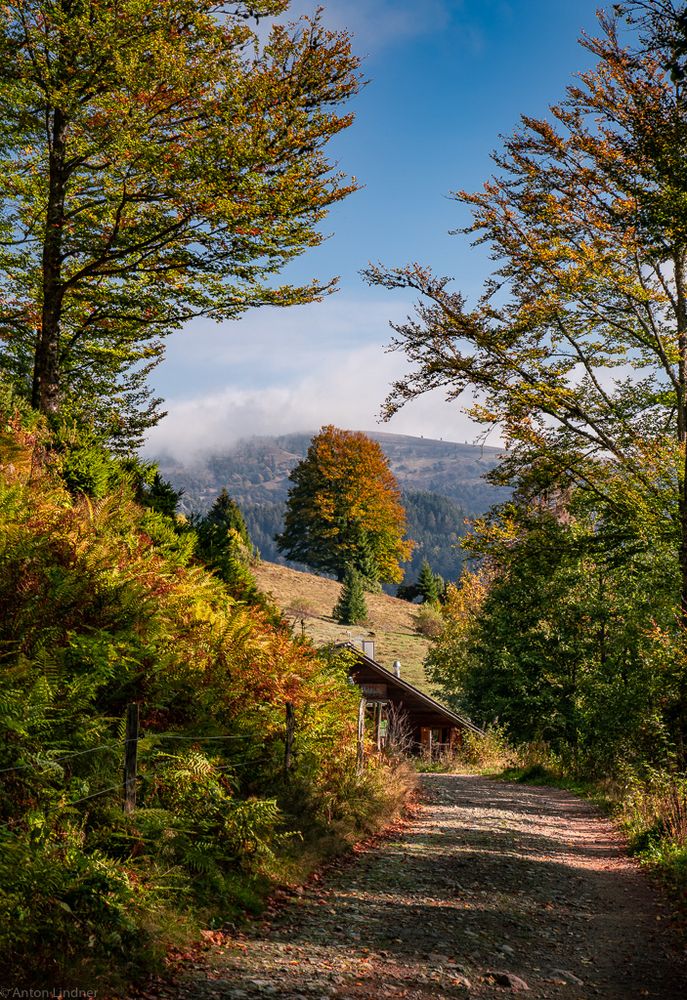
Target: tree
(225, 546)
(427, 584)
(555, 636)
(156, 164)
(161, 496)
(224, 516)
(577, 349)
(351, 608)
(344, 509)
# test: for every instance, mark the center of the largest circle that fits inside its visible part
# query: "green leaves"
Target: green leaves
(155, 164)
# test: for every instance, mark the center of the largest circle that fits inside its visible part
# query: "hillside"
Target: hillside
(256, 470)
(391, 621)
(442, 482)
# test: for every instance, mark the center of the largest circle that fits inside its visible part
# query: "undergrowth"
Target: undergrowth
(106, 599)
(480, 753)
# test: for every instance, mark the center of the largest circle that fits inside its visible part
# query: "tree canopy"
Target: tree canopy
(344, 509)
(563, 636)
(157, 162)
(577, 349)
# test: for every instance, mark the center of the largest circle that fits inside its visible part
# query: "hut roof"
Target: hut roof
(414, 699)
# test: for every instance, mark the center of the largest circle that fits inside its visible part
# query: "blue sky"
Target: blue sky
(446, 78)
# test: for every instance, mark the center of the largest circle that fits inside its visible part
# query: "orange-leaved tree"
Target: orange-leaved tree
(577, 349)
(344, 509)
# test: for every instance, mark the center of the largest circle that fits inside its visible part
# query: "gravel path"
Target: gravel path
(494, 889)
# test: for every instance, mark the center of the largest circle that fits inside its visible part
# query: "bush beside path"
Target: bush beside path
(493, 889)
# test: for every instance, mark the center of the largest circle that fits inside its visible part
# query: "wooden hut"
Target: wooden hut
(430, 725)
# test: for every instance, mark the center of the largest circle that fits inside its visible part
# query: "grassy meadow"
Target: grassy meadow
(391, 622)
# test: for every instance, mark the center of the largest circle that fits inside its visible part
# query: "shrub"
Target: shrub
(102, 603)
(429, 622)
(490, 751)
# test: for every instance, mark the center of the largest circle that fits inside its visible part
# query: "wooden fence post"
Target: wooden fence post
(130, 758)
(378, 725)
(288, 742)
(431, 748)
(360, 759)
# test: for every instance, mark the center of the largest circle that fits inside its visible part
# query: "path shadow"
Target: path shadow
(459, 895)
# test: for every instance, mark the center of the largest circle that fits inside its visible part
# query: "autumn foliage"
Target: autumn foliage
(103, 603)
(577, 348)
(344, 509)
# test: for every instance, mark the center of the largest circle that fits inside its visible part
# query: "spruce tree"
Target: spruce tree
(161, 496)
(224, 515)
(351, 608)
(225, 546)
(427, 584)
(367, 565)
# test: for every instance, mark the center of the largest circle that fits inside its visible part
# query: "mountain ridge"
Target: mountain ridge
(442, 482)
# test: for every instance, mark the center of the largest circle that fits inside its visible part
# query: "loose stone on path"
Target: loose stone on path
(495, 889)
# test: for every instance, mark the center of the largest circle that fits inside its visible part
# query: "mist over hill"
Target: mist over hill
(442, 483)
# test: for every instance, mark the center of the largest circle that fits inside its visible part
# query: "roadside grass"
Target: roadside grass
(307, 600)
(603, 793)
(375, 800)
(650, 810)
(488, 753)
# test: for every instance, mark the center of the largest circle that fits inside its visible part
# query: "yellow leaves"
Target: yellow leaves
(345, 500)
(464, 601)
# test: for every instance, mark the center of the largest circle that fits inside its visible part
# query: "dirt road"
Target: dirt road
(494, 889)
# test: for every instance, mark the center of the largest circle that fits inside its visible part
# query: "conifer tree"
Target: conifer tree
(224, 545)
(366, 565)
(427, 584)
(351, 608)
(224, 516)
(161, 496)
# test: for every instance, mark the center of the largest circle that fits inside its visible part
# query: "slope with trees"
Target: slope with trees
(256, 470)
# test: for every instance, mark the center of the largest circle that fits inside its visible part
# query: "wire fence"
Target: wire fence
(56, 760)
(140, 747)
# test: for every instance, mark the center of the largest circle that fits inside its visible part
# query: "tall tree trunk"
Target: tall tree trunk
(46, 372)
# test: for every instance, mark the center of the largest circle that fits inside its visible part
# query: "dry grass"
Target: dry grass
(391, 622)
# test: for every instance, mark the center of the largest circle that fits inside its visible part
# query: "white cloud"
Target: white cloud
(376, 24)
(276, 341)
(347, 393)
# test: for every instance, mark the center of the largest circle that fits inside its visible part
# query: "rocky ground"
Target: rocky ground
(493, 889)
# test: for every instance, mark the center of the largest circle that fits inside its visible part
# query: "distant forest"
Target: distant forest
(442, 482)
(435, 523)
